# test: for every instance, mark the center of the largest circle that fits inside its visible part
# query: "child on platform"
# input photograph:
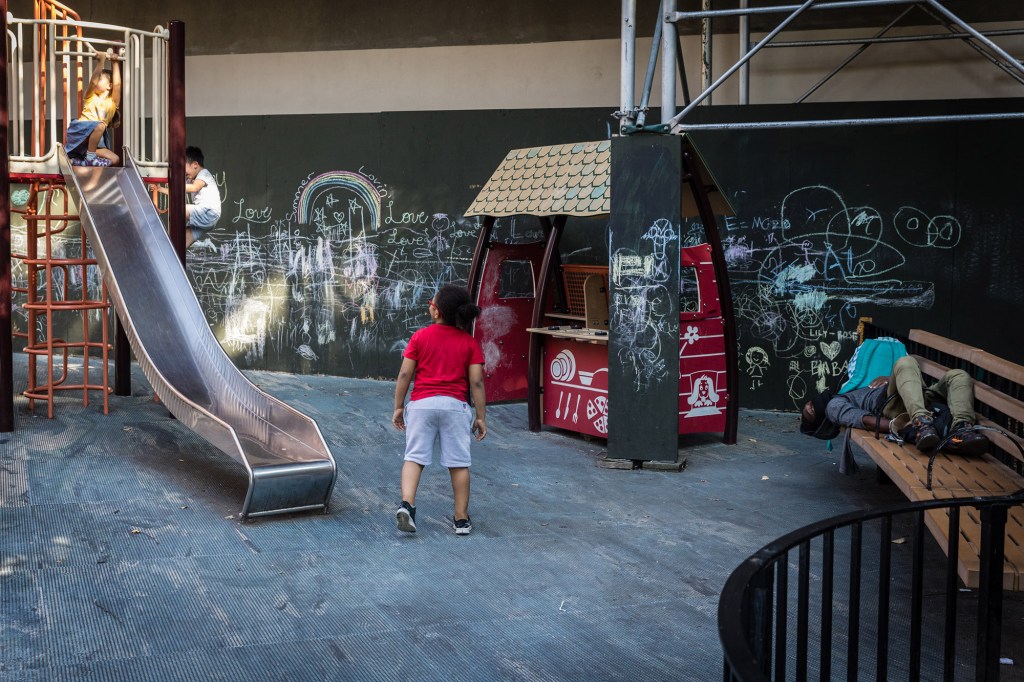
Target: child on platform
(87, 142)
(447, 363)
(203, 211)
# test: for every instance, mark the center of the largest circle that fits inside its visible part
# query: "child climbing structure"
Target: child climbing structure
(50, 57)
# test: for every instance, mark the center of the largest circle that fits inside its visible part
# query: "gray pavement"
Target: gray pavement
(123, 559)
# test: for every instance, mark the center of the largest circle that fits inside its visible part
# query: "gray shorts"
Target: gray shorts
(437, 417)
(202, 218)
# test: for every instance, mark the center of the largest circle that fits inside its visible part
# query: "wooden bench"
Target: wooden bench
(998, 391)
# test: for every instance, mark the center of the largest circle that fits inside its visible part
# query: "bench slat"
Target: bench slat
(942, 344)
(969, 550)
(955, 477)
(930, 368)
(1009, 406)
(959, 477)
(1006, 442)
(1004, 368)
(908, 468)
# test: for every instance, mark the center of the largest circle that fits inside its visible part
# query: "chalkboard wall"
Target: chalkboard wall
(917, 226)
(338, 228)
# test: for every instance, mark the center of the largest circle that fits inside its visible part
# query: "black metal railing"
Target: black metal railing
(902, 612)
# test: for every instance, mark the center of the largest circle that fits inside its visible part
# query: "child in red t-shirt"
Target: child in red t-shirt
(447, 363)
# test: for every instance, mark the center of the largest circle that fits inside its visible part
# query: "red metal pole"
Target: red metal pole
(6, 343)
(176, 137)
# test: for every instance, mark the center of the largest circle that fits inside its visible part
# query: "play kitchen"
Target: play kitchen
(636, 349)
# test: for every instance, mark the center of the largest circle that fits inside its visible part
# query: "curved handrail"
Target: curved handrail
(735, 604)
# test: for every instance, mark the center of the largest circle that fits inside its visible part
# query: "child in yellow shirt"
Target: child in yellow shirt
(86, 142)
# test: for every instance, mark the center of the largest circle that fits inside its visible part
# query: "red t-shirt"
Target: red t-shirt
(443, 354)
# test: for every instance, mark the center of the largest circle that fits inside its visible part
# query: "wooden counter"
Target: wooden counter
(599, 336)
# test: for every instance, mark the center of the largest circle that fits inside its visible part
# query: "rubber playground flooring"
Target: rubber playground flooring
(122, 556)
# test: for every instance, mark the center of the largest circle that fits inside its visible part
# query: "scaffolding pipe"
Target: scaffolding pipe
(744, 97)
(668, 62)
(627, 75)
(848, 122)
(652, 64)
(966, 37)
(1004, 67)
(743, 60)
(682, 69)
(856, 53)
(826, 42)
(779, 9)
(977, 35)
(706, 57)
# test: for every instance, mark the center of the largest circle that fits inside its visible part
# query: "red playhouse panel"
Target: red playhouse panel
(703, 392)
(507, 287)
(576, 386)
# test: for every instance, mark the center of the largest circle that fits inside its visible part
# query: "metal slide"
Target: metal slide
(289, 465)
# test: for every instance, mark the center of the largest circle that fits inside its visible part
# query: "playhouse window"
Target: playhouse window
(689, 296)
(516, 279)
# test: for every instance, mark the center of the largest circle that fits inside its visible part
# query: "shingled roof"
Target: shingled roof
(568, 179)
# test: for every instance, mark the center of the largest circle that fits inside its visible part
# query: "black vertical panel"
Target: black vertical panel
(643, 346)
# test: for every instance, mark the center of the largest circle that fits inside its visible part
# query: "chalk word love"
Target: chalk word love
(251, 215)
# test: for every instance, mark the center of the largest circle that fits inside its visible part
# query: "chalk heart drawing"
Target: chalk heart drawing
(831, 350)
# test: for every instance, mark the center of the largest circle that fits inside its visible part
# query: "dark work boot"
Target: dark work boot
(923, 432)
(964, 441)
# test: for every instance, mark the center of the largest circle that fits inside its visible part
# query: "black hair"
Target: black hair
(820, 426)
(456, 309)
(194, 154)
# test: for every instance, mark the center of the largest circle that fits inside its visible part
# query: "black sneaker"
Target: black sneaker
(921, 432)
(963, 440)
(462, 526)
(406, 516)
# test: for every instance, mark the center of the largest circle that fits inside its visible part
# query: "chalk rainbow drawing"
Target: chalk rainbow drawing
(353, 182)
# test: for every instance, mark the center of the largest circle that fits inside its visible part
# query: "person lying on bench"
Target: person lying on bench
(901, 404)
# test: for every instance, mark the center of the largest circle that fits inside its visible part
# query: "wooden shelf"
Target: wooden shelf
(566, 316)
(598, 336)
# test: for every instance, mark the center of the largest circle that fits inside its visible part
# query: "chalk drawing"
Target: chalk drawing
(342, 275)
(640, 305)
(800, 276)
(757, 363)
